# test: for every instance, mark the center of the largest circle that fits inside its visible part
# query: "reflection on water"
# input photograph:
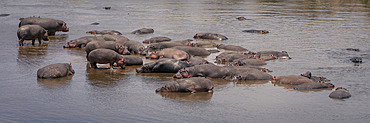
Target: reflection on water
(55, 82)
(104, 77)
(187, 97)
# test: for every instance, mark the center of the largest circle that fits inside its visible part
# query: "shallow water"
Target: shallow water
(314, 33)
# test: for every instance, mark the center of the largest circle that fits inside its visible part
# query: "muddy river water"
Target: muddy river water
(314, 33)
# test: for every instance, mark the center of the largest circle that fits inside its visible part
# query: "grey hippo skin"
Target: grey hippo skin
(157, 40)
(210, 36)
(55, 71)
(143, 31)
(169, 53)
(192, 85)
(322, 79)
(204, 44)
(279, 55)
(256, 31)
(163, 45)
(232, 47)
(120, 49)
(134, 47)
(31, 32)
(196, 60)
(104, 56)
(252, 76)
(247, 62)
(309, 86)
(231, 56)
(163, 66)
(340, 93)
(104, 32)
(52, 25)
(193, 51)
(291, 79)
(132, 60)
(82, 41)
(204, 70)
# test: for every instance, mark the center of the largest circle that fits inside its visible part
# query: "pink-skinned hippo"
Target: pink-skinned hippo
(256, 31)
(193, 51)
(210, 36)
(169, 53)
(120, 49)
(105, 32)
(157, 40)
(309, 86)
(291, 79)
(164, 65)
(163, 45)
(232, 48)
(52, 25)
(192, 85)
(143, 31)
(31, 32)
(55, 71)
(340, 93)
(104, 56)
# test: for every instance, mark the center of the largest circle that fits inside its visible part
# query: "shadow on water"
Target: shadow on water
(104, 77)
(188, 97)
(56, 82)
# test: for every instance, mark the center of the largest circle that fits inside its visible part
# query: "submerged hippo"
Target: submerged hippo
(309, 86)
(163, 66)
(279, 55)
(143, 31)
(163, 45)
(104, 32)
(156, 40)
(256, 31)
(193, 51)
(120, 49)
(204, 70)
(210, 36)
(52, 25)
(340, 93)
(169, 53)
(291, 79)
(104, 56)
(308, 74)
(82, 42)
(31, 32)
(196, 84)
(356, 60)
(232, 47)
(55, 71)
(241, 18)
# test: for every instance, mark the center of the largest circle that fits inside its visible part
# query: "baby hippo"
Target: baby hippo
(210, 36)
(291, 79)
(55, 71)
(340, 93)
(31, 32)
(104, 56)
(196, 84)
(309, 86)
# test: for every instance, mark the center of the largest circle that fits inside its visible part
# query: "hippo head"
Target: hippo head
(62, 27)
(70, 70)
(70, 44)
(45, 36)
(284, 55)
(307, 74)
(121, 62)
(123, 50)
(143, 51)
(153, 55)
(275, 80)
(264, 32)
(323, 80)
(183, 73)
(144, 69)
(166, 88)
(265, 70)
(147, 41)
(196, 36)
(329, 85)
(92, 32)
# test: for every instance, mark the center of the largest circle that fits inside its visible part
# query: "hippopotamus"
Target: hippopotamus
(291, 79)
(4, 15)
(204, 70)
(193, 51)
(55, 71)
(169, 53)
(82, 42)
(162, 45)
(164, 65)
(210, 36)
(104, 32)
(204, 44)
(104, 56)
(353, 49)
(157, 40)
(309, 86)
(31, 32)
(340, 93)
(52, 25)
(356, 60)
(196, 60)
(134, 47)
(252, 76)
(120, 49)
(279, 55)
(231, 47)
(231, 56)
(117, 38)
(241, 18)
(143, 31)
(256, 31)
(132, 60)
(308, 74)
(196, 84)
(247, 62)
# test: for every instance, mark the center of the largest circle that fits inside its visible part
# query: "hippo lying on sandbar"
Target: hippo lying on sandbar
(196, 84)
(163, 45)
(210, 36)
(322, 79)
(231, 56)
(164, 65)
(232, 47)
(134, 47)
(309, 86)
(204, 70)
(143, 31)
(291, 79)
(340, 93)
(104, 32)
(132, 60)
(169, 53)
(82, 41)
(157, 40)
(193, 51)
(196, 60)
(204, 44)
(55, 71)
(106, 45)
(256, 31)
(252, 76)
(247, 62)
(104, 56)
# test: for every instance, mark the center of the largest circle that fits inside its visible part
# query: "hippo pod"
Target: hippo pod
(163, 45)
(196, 84)
(55, 70)
(104, 32)
(308, 74)
(120, 49)
(309, 86)
(164, 65)
(232, 48)
(256, 31)
(193, 51)
(277, 54)
(143, 31)
(31, 32)
(291, 79)
(210, 36)
(52, 25)
(169, 53)
(340, 93)
(104, 56)
(157, 40)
